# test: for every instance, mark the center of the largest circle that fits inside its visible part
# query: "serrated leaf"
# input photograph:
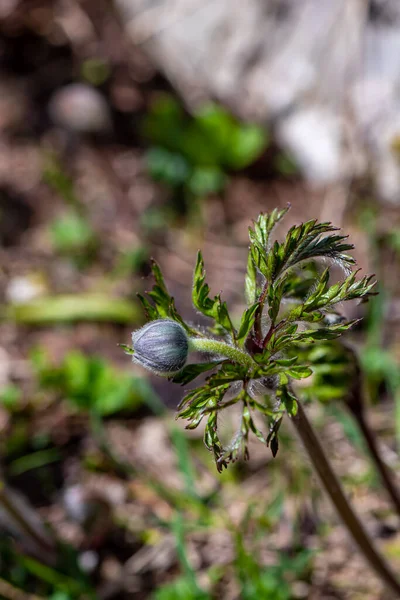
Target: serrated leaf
(286, 362)
(324, 297)
(272, 437)
(251, 293)
(307, 242)
(246, 323)
(212, 442)
(289, 401)
(214, 308)
(265, 224)
(259, 237)
(163, 303)
(190, 372)
(150, 311)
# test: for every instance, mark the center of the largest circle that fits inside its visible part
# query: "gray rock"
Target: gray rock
(325, 73)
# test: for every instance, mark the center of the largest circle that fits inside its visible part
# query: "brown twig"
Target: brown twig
(334, 490)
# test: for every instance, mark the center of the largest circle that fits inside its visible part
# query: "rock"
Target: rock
(324, 75)
(80, 108)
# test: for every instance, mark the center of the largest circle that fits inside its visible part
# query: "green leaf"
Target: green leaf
(272, 438)
(265, 224)
(246, 323)
(190, 372)
(212, 441)
(71, 233)
(299, 372)
(248, 143)
(324, 297)
(163, 304)
(168, 167)
(259, 238)
(127, 349)
(206, 180)
(289, 400)
(251, 291)
(211, 307)
(306, 242)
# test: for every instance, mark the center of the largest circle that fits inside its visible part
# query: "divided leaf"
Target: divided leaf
(214, 308)
(306, 242)
(324, 296)
(251, 288)
(247, 323)
(272, 438)
(163, 304)
(190, 372)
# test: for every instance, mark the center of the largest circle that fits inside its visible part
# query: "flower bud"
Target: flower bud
(161, 346)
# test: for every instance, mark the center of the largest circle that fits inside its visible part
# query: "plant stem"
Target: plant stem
(381, 466)
(23, 518)
(341, 503)
(356, 404)
(217, 347)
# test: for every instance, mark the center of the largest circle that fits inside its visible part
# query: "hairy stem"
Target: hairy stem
(341, 503)
(217, 347)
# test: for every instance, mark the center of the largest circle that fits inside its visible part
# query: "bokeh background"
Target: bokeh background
(137, 129)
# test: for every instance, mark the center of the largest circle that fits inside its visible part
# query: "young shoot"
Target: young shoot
(291, 304)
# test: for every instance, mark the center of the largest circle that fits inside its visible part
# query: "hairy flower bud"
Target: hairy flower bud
(161, 346)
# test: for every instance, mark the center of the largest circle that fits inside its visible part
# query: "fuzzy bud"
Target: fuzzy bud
(161, 346)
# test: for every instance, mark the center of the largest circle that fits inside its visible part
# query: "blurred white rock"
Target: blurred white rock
(24, 288)
(80, 108)
(313, 137)
(324, 75)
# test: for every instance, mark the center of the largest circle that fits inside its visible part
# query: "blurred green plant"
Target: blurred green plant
(380, 365)
(63, 581)
(195, 153)
(71, 233)
(70, 308)
(90, 383)
(273, 582)
(131, 261)
(95, 71)
(10, 396)
(72, 236)
(185, 587)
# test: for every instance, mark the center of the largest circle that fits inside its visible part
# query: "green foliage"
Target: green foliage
(162, 305)
(334, 371)
(70, 308)
(72, 235)
(180, 589)
(255, 366)
(62, 581)
(56, 177)
(185, 587)
(131, 261)
(89, 383)
(272, 582)
(195, 152)
(210, 307)
(10, 397)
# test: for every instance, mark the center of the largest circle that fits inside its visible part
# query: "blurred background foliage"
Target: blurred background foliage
(103, 165)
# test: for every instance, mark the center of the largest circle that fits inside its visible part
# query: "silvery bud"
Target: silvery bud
(161, 346)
